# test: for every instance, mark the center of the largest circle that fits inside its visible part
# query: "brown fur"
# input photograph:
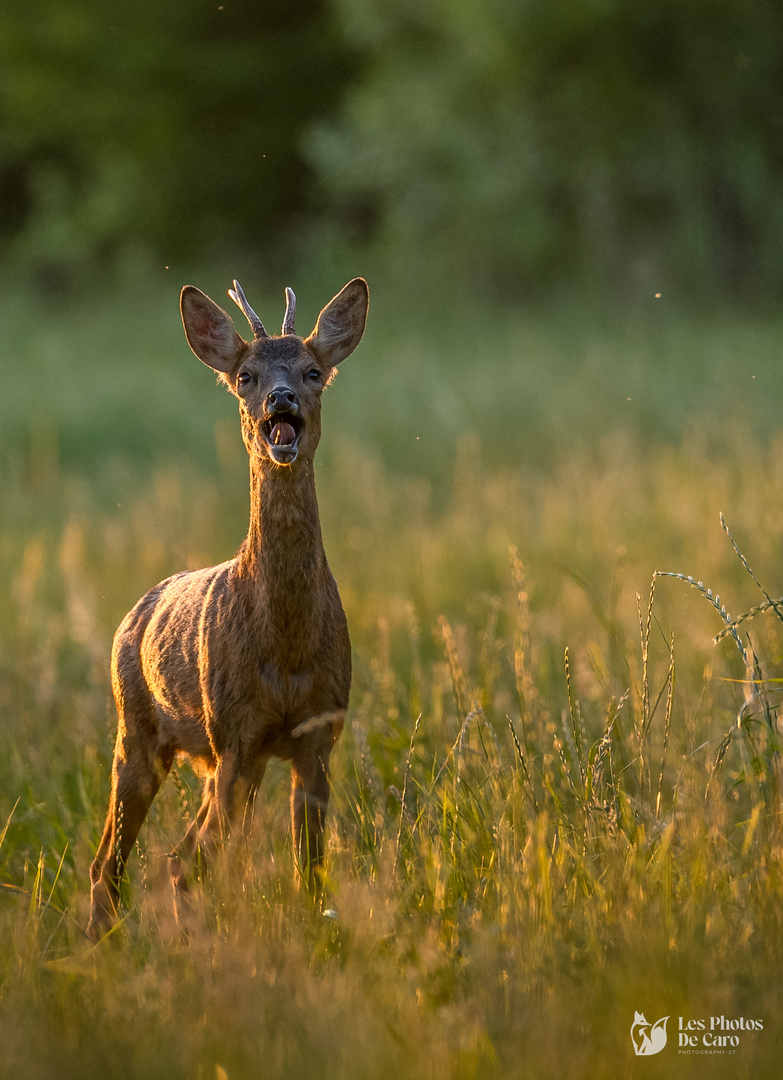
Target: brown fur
(237, 662)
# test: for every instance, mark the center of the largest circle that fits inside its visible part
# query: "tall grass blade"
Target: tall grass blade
(776, 605)
(405, 787)
(8, 822)
(666, 727)
(523, 764)
(714, 602)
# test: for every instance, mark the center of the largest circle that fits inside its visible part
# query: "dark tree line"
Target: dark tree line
(174, 127)
(515, 143)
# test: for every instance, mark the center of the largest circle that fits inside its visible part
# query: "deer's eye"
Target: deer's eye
(314, 374)
(244, 379)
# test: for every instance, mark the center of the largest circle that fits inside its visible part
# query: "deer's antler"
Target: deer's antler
(239, 298)
(290, 312)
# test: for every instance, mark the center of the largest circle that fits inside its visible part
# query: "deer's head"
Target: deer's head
(277, 379)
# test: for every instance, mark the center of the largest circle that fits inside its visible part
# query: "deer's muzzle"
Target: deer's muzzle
(282, 425)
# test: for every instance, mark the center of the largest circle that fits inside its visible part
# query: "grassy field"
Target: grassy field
(556, 801)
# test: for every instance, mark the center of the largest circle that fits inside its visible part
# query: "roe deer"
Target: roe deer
(251, 658)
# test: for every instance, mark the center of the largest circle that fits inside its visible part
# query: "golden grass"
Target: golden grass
(538, 825)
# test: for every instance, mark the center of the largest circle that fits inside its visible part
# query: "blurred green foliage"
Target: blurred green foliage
(166, 128)
(509, 145)
(531, 143)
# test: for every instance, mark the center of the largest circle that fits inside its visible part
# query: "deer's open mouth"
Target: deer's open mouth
(282, 431)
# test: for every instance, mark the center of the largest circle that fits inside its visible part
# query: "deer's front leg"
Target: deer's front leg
(136, 776)
(184, 853)
(309, 802)
(226, 813)
(228, 807)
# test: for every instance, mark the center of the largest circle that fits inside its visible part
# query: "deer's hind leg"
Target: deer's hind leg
(136, 777)
(139, 768)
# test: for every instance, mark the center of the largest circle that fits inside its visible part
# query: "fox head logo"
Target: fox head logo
(648, 1038)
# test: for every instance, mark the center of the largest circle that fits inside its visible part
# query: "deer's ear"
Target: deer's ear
(340, 325)
(209, 330)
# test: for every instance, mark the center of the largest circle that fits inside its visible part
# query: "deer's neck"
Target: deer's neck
(283, 561)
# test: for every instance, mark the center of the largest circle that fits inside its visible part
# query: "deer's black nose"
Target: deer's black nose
(282, 399)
